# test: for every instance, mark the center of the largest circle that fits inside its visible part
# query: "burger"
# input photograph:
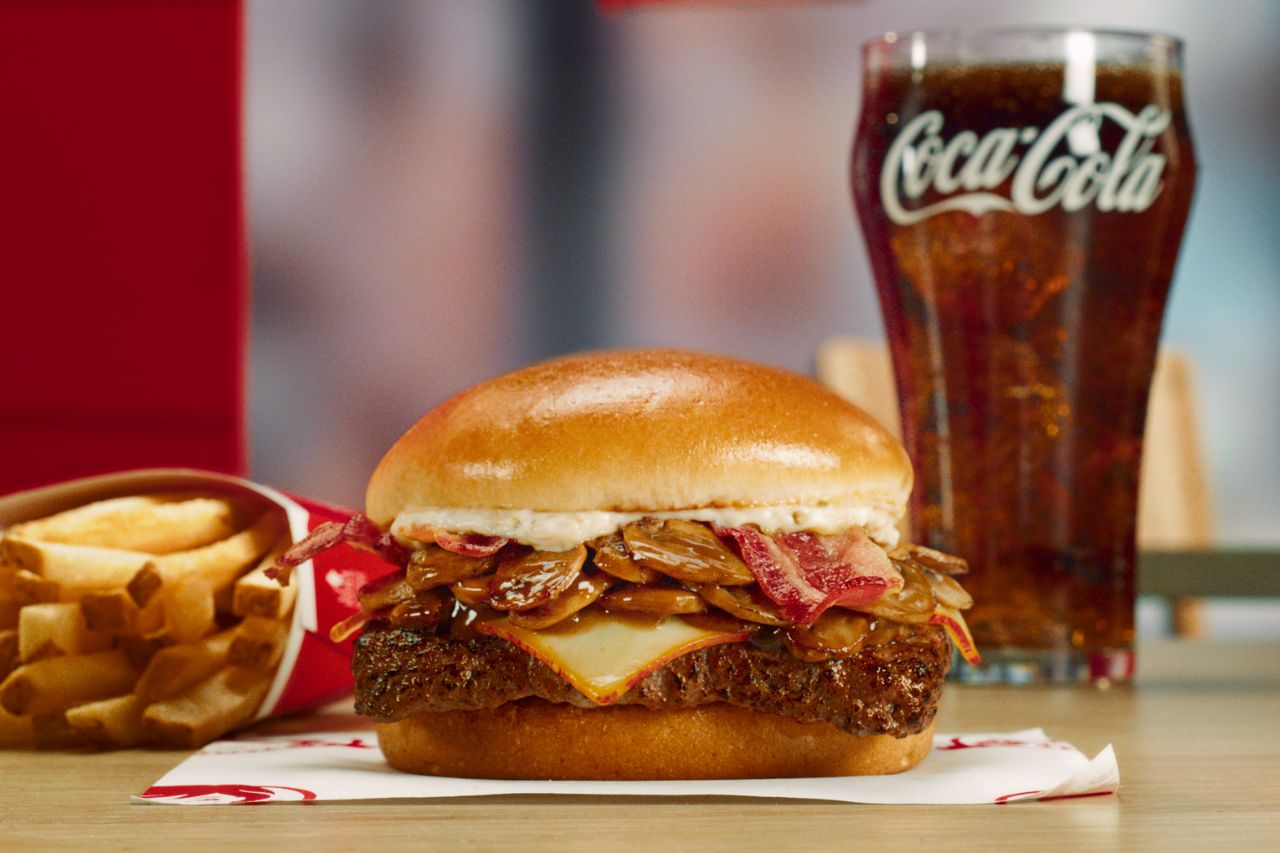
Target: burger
(649, 564)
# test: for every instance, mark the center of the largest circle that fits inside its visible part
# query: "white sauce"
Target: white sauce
(560, 531)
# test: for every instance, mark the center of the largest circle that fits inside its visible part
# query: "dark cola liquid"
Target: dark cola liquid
(1024, 342)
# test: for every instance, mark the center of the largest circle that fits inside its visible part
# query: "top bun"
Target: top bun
(640, 431)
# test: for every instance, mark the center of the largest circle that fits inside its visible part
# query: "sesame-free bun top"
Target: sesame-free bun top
(638, 431)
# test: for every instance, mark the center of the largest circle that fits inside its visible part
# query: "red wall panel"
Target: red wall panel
(122, 248)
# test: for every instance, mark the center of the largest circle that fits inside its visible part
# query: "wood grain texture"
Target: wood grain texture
(1197, 740)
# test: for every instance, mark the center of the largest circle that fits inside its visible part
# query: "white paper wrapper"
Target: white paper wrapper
(347, 765)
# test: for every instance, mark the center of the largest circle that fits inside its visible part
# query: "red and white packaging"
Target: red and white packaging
(314, 670)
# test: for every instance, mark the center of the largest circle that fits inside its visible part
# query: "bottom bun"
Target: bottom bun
(533, 739)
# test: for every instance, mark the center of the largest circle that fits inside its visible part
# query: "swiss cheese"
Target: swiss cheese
(603, 655)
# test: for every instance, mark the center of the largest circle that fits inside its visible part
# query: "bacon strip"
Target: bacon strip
(470, 544)
(358, 532)
(805, 574)
(466, 544)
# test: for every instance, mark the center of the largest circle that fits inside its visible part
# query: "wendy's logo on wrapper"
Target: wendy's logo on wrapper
(985, 743)
(217, 795)
(250, 745)
(967, 169)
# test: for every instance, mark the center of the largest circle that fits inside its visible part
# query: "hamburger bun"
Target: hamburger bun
(642, 431)
(532, 739)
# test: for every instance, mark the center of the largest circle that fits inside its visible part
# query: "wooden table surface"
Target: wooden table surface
(1198, 741)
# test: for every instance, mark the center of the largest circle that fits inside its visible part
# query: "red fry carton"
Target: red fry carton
(313, 670)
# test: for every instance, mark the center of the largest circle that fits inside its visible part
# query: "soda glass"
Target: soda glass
(1023, 195)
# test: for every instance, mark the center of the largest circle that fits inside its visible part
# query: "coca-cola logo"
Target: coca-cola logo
(967, 169)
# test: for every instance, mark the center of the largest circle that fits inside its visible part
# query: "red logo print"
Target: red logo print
(961, 743)
(223, 794)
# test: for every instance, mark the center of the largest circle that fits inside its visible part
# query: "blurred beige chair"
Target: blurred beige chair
(1173, 501)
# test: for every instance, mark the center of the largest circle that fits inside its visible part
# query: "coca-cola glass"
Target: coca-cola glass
(1023, 195)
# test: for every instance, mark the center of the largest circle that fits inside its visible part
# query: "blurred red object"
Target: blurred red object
(622, 5)
(122, 235)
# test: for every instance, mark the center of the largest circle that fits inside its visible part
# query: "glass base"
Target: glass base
(1047, 666)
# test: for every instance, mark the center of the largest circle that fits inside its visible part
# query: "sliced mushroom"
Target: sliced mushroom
(472, 592)
(716, 620)
(744, 602)
(839, 633)
(913, 603)
(948, 591)
(424, 610)
(928, 558)
(654, 600)
(685, 550)
(805, 653)
(433, 566)
(529, 580)
(610, 555)
(583, 592)
(385, 592)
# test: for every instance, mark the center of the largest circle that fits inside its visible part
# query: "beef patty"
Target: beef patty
(889, 689)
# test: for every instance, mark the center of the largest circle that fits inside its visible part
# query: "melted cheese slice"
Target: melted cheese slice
(603, 655)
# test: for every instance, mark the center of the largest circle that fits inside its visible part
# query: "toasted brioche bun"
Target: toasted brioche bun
(642, 430)
(533, 739)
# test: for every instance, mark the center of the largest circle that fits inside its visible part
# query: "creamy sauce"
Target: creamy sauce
(560, 531)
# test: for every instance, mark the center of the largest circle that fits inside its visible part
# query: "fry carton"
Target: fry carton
(213, 641)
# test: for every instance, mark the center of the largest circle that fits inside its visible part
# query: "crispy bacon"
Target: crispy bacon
(805, 574)
(358, 532)
(466, 544)
(470, 544)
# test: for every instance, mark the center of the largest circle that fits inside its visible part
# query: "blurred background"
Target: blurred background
(440, 192)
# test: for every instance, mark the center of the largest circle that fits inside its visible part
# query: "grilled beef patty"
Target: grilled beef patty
(889, 689)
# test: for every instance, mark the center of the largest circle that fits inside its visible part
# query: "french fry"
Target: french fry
(258, 643)
(209, 709)
(58, 683)
(110, 722)
(222, 600)
(30, 588)
(93, 596)
(140, 650)
(9, 603)
(174, 669)
(8, 651)
(58, 527)
(115, 612)
(151, 524)
(15, 730)
(80, 566)
(56, 629)
(258, 595)
(221, 563)
(188, 609)
(51, 731)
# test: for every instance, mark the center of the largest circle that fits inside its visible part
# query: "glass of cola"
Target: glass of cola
(1023, 196)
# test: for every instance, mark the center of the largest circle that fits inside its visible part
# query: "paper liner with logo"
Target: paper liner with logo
(313, 670)
(340, 760)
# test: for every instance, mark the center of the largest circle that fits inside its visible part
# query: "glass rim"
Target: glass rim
(893, 38)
